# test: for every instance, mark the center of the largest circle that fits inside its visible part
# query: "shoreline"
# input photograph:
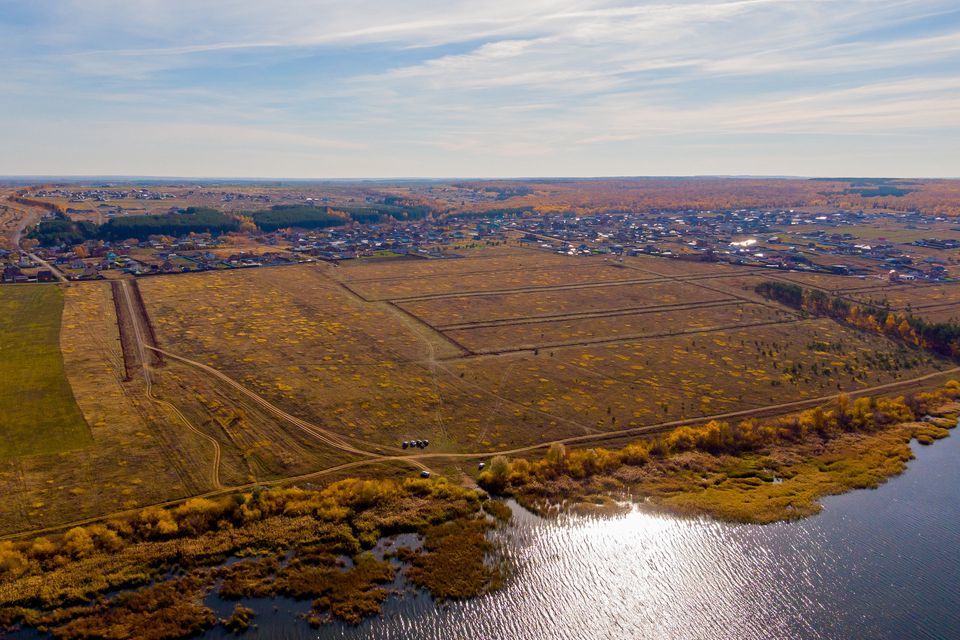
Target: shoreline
(751, 473)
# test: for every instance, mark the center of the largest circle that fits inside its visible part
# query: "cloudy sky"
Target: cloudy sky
(442, 88)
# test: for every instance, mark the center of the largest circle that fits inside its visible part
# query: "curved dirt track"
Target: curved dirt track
(324, 435)
(148, 380)
(415, 458)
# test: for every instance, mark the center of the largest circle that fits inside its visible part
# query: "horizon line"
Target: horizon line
(743, 176)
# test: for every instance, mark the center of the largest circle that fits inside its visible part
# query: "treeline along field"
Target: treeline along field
(942, 338)
(751, 471)
(304, 216)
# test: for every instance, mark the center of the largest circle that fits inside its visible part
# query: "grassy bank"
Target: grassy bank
(305, 544)
(38, 413)
(747, 472)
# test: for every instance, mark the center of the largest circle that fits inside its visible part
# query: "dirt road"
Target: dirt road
(773, 409)
(139, 333)
(665, 426)
(326, 436)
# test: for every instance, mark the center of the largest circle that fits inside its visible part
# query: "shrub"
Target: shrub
(78, 543)
(12, 562)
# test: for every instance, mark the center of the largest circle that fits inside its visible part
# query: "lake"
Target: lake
(879, 563)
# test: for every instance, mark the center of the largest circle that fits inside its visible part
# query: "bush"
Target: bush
(12, 562)
(78, 543)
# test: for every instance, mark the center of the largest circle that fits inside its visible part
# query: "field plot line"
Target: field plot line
(698, 282)
(459, 274)
(138, 334)
(498, 351)
(432, 367)
(434, 363)
(587, 315)
(524, 289)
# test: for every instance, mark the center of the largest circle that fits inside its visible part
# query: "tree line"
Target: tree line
(283, 216)
(942, 338)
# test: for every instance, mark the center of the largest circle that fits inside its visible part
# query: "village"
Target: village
(777, 239)
(833, 242)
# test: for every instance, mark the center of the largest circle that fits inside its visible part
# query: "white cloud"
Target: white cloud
(496, 80)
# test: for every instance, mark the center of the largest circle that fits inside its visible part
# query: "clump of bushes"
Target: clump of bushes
(170, 609)
(498, 510)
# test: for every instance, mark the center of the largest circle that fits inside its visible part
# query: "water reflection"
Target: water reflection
(875, 564)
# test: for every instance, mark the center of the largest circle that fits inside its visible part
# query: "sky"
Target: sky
(489, 88)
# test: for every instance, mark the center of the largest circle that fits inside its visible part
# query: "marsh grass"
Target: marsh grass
(453, 562)
(498, 510)
(305, 544)
(240, 620)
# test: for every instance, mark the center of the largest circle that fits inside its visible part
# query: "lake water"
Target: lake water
(874, 564)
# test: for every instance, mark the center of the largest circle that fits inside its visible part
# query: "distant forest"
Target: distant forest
(61, 229)
(282, 216)
(301, 216)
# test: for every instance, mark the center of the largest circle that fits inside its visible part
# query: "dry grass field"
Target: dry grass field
(911, 296)
(614, 326)
(933, 301)
(525, 273)
(502, 348)
(447, 311)
(126, 462)
(485, 369)
(949, 313)
(646, 381)
(835, 284)
(135, 451)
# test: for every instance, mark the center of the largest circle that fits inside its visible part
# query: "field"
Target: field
(275, 373)
(39, 412)
(530, 343)
(934, 302)
(525, 273)
(913, 297)
(446, 312)
(140, 447)
(528, 334)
